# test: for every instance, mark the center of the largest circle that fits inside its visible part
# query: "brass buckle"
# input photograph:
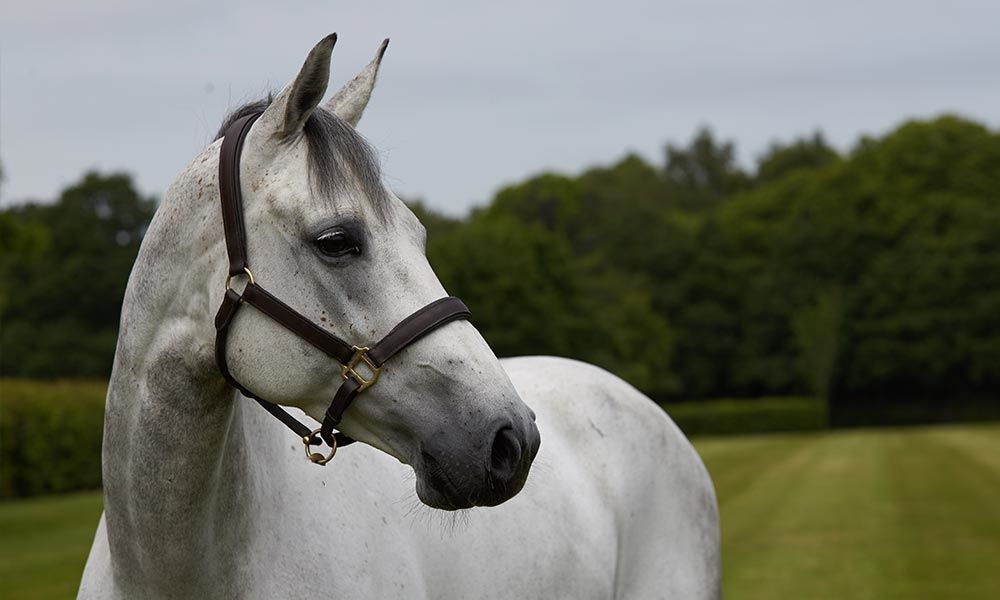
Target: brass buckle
(316, 457)
(348, 370)
(229, 278)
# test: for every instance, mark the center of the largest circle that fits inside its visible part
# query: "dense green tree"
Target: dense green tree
(705, 173)
(901, 227)
(20, 241)
(818, 334)
(555, 203)
(530, 294)
(519, 280)
(781, 159)
(783, 282)
(924, 313)
(63, 279)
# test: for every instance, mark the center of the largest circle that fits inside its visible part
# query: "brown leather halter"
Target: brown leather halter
(350, 357)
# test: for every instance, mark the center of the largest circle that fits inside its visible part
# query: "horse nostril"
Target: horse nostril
(505, 455)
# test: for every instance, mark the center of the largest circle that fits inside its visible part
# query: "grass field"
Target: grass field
(889, 513)
(879, 514)
(44, 544)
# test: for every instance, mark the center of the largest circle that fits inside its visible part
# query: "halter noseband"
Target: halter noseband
(351, 357)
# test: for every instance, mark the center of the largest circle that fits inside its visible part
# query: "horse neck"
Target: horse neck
(174, 454)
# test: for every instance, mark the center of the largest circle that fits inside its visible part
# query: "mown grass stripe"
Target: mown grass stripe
(753, 507)
(736, 464)
(979, 443)
(948, 519)
(859, 514)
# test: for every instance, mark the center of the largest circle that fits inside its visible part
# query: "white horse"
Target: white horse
(207, 496)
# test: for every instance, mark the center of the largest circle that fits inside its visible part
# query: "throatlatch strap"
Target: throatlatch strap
(231, 304)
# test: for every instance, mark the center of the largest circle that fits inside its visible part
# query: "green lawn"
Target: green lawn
(882, 513)
(888, 513)
(44, 544)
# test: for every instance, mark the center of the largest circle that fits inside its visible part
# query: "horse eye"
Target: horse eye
(336, 243)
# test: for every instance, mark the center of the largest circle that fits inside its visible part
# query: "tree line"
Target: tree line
(870, 277)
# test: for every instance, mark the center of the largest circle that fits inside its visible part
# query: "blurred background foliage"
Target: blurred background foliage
(50, 436)
(869, 279)
(63, 269)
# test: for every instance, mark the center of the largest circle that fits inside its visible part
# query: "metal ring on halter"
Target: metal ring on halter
(229, 278)
(316, 457)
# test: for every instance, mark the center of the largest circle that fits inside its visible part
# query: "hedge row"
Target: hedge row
(50, 436)
(50, 432)
(757, 415)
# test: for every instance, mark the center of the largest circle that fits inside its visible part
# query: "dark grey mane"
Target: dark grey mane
(336, 151)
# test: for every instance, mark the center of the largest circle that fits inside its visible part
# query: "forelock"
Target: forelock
(338, 155)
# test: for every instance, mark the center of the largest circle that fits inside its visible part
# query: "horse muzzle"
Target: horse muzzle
(450, 479)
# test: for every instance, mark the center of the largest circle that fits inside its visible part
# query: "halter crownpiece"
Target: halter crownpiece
(360, 366)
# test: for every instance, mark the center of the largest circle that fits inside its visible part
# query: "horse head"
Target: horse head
(325, 233)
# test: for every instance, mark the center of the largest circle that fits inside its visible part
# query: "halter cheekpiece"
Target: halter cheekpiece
(360, 366)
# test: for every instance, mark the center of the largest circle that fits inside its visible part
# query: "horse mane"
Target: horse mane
(336, 151)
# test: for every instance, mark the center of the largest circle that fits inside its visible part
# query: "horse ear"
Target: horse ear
(290, 109)
(351, 100)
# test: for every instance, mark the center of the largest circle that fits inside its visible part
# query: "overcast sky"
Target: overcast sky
(474, 95)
